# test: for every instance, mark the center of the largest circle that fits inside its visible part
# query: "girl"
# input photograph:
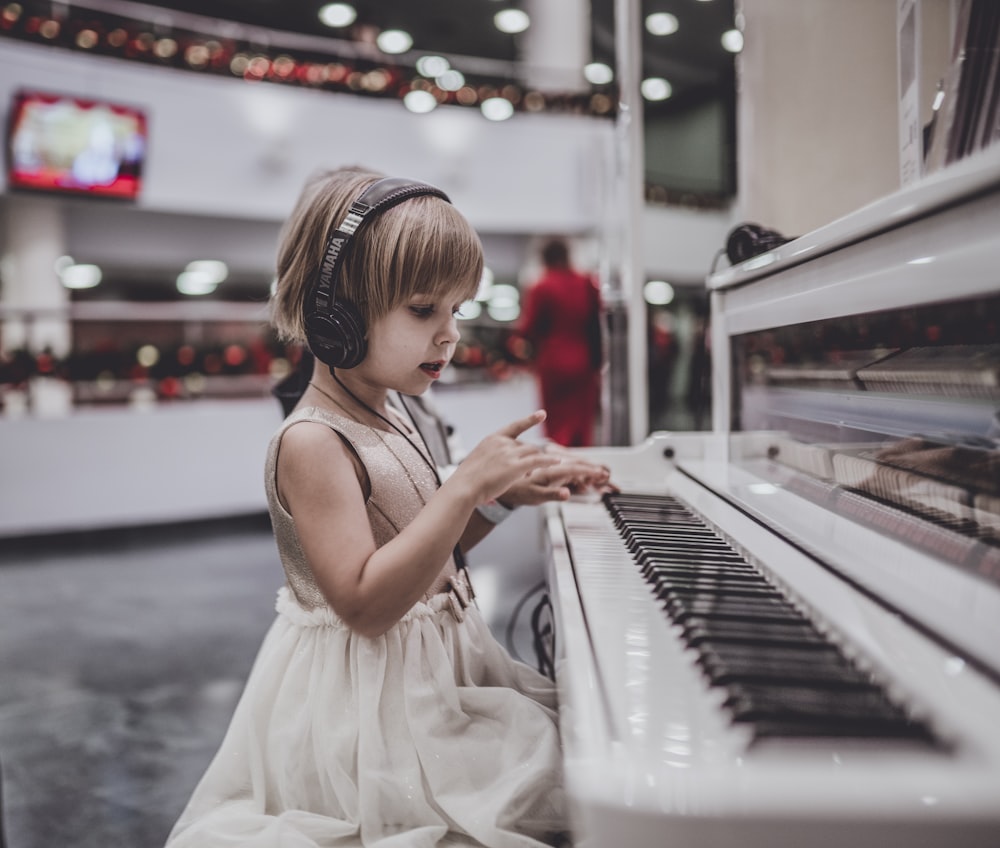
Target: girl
(380, 710)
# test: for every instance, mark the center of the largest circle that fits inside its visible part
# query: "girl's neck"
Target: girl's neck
(353, 397)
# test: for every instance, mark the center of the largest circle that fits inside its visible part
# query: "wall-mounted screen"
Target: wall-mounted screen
(75, 145)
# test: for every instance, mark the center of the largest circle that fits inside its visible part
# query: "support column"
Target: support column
(35, 303)
(556, 46)
(630, 178)
(34, 239)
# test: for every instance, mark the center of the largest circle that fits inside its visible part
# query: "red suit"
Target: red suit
(561, 320)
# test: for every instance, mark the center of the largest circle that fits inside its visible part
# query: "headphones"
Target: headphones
(335, 330)
(748, 240)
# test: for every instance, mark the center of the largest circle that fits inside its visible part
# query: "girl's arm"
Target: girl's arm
(372, 588)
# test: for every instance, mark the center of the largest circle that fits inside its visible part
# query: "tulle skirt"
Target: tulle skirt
(429, 735)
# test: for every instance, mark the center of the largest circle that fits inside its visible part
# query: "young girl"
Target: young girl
(380, 710)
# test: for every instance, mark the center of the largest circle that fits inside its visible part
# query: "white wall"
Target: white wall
(121, 467)
(178, 462)
(817, 113)
(220, 146)
(225, 148)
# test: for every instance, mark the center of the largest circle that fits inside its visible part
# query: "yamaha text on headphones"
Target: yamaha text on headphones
(335, 331)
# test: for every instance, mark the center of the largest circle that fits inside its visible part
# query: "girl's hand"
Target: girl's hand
(500, 459)
(571, 475)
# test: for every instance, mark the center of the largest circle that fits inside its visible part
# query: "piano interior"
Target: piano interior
(787, 631)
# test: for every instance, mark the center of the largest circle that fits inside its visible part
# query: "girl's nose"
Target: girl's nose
(449, 333)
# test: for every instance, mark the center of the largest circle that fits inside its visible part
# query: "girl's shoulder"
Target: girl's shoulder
(301, 449)
(318, 415)
(348, 430)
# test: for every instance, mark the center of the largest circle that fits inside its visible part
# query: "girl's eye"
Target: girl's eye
(456, 311)
(422, 311)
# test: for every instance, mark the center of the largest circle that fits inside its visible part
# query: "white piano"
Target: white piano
(787, 631)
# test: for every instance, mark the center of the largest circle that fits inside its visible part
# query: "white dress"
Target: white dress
(428, 735)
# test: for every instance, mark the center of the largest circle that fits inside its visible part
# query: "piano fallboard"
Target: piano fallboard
(652, 754)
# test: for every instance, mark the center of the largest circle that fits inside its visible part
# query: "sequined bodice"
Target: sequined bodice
(400, 485)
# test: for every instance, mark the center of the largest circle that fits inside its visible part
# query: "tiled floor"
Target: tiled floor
(122, 656)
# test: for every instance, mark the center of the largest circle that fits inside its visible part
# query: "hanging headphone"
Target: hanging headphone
(335, 330)
(748, 240)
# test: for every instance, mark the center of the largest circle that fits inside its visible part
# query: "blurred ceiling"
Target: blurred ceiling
(692, 58)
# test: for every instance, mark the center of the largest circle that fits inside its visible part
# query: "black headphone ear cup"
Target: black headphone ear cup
(748, 240)
(337, 338)
(742, 242)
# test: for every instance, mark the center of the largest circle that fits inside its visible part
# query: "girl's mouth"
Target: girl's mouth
(432, 369)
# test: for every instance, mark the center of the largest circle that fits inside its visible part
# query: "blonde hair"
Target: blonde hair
(423, 245)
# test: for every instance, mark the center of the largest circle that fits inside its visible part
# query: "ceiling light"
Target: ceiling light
(732, 40)
(420, 102)
(658, 292)
(597, 73)
(80, 276)
(337, 14)
(193, 283)
(497, 108)
(511, 20)
(656, 88)
(503, 312)
(662, 23)
(202, 276)
(394, 41)
(450, 80)
(212, 270)
(432, 66)
(147, 355)
(504, 294)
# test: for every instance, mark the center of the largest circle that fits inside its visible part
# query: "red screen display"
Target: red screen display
(75, 145)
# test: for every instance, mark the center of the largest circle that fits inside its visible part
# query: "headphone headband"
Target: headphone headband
(379, 196)
(335, 331)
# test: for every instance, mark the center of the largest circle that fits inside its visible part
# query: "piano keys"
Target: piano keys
(799, 708)
(780, 676)
(787, 631)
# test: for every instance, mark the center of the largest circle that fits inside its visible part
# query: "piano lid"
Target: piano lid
(969, 177)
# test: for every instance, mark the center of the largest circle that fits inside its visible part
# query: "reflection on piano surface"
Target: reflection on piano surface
(787, 631)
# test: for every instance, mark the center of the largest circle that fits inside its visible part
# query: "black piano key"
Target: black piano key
(670, 587)
(683, 546)
(701, 631)
(781, 669)
(790, 703)
(687, 571)
(742, 609)
(667, 539)
(809, 711)
(645, 520)
(697, 559)
(671, 530)
(782, 677)
(841, 728)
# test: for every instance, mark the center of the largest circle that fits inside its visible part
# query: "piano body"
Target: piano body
(786, 631)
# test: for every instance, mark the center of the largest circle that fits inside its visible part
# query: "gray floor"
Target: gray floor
(122, 656)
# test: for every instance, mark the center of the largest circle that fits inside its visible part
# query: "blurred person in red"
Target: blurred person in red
(562, 322)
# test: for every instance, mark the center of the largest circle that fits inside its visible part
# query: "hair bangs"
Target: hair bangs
(423, 246)
(452, 261)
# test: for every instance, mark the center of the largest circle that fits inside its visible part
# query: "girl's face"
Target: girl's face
(409, 347)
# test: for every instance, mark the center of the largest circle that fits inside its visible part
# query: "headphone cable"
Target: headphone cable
(459, 556)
